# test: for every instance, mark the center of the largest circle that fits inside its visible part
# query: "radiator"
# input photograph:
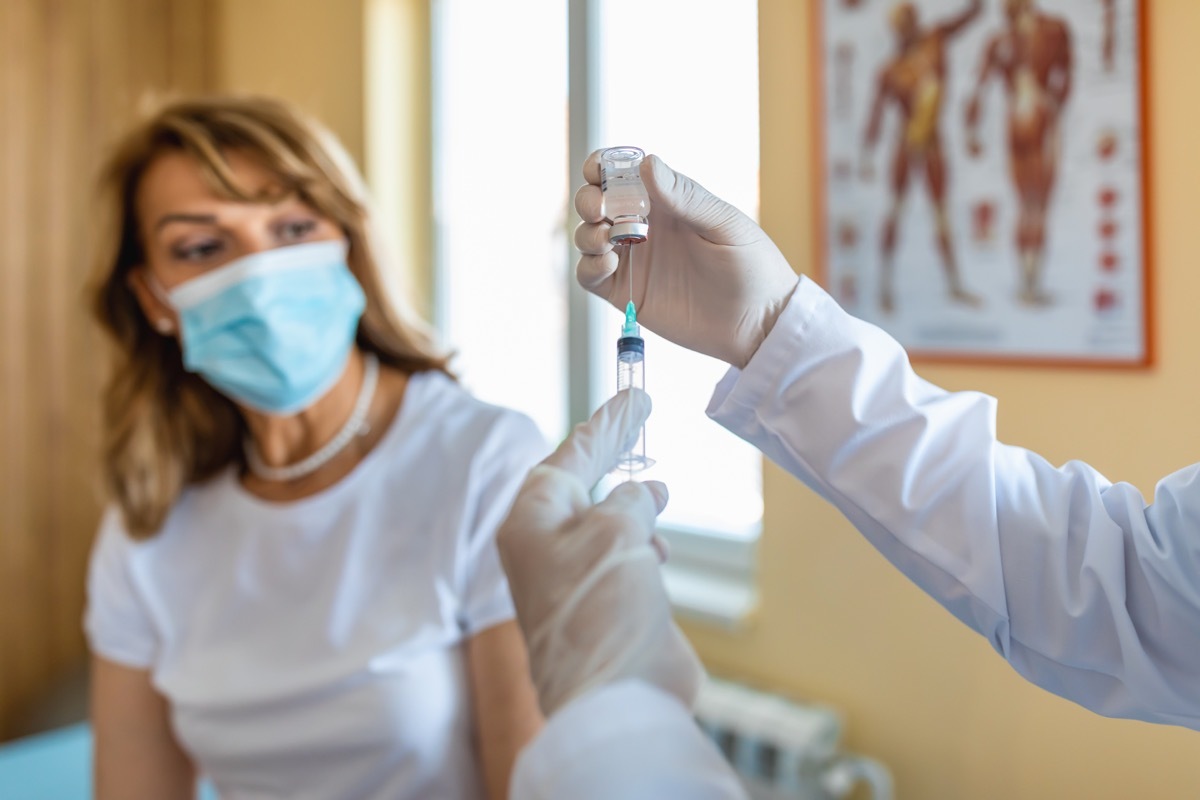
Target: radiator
(784, 750)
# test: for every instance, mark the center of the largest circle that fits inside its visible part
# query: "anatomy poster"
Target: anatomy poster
(983, 177)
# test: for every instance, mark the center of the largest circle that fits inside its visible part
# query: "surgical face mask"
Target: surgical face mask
(272, 330)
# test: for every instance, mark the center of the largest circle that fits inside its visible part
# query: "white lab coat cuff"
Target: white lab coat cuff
(741, 392)
(627, 740)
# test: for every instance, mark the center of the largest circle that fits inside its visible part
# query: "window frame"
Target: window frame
(709, 577)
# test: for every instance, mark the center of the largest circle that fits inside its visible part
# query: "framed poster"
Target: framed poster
(984, 176)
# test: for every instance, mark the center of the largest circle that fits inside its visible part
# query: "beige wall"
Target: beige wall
(71, 76)
(310, 53)
(838, 624)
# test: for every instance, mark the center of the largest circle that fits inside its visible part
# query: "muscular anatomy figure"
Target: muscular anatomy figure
(1033, 56)
(913, 81)
(1108, 45)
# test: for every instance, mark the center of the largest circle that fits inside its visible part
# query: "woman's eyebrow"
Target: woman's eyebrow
(209, 219)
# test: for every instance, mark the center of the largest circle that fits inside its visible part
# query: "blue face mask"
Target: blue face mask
(272, 330)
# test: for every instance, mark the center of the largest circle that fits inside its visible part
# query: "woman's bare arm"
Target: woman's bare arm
(136, 754)
(504, 700)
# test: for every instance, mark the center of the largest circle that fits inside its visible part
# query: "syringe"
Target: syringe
(631, 374)
(627, 207)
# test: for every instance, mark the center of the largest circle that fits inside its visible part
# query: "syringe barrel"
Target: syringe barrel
(631, 374)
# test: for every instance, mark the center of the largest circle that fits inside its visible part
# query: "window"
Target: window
(500, 197)
(701, 114)
(675, 77)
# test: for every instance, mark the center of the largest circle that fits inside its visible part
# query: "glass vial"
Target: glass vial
(626, 204)
(631, 373)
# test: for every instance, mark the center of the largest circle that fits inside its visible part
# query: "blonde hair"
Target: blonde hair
(164, 427)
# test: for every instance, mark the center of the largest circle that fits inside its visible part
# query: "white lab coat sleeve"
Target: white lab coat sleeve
(1084, 588)
(626, 740)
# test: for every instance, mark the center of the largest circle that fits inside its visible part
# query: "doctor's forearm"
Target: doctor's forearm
(627, 740)
(1056, 567)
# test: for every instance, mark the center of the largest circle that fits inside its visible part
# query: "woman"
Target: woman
(296, 592)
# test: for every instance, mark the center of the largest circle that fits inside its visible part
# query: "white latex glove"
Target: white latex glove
(707, 277)
(585, 578)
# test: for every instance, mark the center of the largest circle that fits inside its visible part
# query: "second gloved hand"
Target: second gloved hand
(585, 578)
(707, 278)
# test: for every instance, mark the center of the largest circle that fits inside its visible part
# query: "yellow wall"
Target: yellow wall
(838, 624)
(309, 53)
(73, 77)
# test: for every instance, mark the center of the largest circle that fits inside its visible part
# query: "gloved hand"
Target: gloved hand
(707, 277)
(585, 578)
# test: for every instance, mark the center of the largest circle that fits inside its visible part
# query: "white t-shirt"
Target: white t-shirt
(313, 649)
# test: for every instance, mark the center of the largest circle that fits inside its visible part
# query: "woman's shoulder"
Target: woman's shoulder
(442, 405)
(113, 534)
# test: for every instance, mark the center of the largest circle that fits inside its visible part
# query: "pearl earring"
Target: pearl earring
(163, 325)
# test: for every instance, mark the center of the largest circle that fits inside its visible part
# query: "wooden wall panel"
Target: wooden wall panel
(72, 75)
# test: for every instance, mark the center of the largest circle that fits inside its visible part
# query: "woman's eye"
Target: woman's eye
(296, 229)
(198, 251)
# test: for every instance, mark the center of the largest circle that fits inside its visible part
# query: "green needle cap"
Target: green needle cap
(631, 324)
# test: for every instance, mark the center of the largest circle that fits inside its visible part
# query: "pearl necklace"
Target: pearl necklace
(356, 425)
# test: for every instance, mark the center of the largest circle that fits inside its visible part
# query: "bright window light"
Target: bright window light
(500, 178)
(502, 189)
(696, 106)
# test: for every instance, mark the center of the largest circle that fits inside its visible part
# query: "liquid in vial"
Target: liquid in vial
(626, 203)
